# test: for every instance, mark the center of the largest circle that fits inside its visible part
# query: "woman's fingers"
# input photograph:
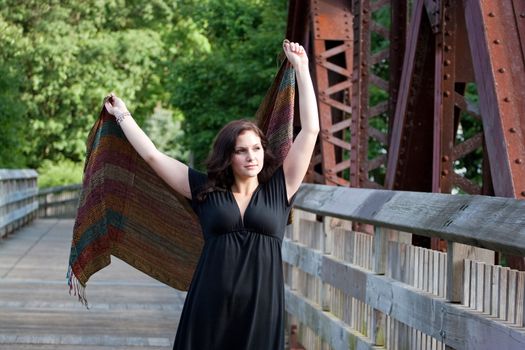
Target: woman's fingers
(293, 47)
(108, 106)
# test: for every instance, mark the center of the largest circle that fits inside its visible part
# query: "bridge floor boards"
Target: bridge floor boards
(128, 310)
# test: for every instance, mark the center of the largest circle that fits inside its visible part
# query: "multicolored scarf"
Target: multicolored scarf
(127, 211)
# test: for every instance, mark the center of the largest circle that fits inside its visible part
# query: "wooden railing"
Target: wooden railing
(60, 201)
(352, 290)
(18, 203)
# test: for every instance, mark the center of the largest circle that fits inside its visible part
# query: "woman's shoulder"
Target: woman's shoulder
(197, 180)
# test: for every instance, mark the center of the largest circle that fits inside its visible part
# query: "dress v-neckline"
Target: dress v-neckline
(242, 215)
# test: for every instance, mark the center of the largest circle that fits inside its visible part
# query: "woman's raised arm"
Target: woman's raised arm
(298, 159)
(172, 171)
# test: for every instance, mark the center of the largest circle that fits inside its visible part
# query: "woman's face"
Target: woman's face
(248, 155)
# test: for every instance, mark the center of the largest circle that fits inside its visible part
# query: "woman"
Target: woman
(236, 298)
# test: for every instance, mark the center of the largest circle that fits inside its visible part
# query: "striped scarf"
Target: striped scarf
(163, 238)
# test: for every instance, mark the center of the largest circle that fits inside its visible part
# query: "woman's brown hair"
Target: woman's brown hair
(218, 164)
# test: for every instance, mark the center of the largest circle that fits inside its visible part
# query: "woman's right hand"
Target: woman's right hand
(114, 105)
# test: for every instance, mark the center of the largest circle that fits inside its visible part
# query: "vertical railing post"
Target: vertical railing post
(327, 246)
(456, 255)
(379, 261)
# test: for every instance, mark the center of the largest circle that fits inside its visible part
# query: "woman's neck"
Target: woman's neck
(245, 186)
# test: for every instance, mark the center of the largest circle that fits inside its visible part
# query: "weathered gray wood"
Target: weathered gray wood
(513, 279)
(128, 310)
(520, 294)
(455, 325)
(495, 291)
(503, 283)
(18, 204)
(328, 245)
(17, 174)
(331, 329)
(487, 222)
(378, 329)
(487, 291)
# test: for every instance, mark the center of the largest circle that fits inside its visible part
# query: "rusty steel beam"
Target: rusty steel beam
(297, 28)
(359, 127)
(332, 45)
(398, 122)
(444, 79)
(398, 32)
(495, 35)
(453, 65)
(411, 145)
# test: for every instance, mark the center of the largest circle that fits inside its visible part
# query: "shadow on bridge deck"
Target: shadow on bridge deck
(127, 308)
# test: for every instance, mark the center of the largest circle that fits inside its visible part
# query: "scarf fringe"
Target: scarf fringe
(76, 287)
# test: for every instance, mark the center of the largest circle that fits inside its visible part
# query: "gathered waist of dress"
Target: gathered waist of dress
(243, 232)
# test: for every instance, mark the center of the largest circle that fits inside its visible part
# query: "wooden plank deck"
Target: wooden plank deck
(128, 310)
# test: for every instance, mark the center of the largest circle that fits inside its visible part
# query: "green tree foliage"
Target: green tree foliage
(73, 55)
(228, 80)
(164, 126)
(13, 118)
(209, 60)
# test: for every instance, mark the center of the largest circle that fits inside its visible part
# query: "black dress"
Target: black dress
(236, 297)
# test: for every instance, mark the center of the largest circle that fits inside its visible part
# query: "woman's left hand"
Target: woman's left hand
(295, 54)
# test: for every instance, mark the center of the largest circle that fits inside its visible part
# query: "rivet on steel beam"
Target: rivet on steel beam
(448, 62)
(512, 130)
(365, 10)
(444, 158)
(518, 161)
(506, 99)
(444, 172)
(502, 70)
(446, 76)
(491, 14)
(497, 41)
(446, 93)
(522, 15)
(448, 47)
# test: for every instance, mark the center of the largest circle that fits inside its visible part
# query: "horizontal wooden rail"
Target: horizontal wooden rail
(59, 201)
(487, 222)
(349, 289)
(18, 203)
(452, 324)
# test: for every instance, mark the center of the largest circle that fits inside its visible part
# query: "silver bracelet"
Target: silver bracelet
(119, 116)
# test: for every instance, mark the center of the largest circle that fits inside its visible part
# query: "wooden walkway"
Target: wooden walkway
(128, 310)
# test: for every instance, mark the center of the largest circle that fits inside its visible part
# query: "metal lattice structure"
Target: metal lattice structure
(450, 76)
